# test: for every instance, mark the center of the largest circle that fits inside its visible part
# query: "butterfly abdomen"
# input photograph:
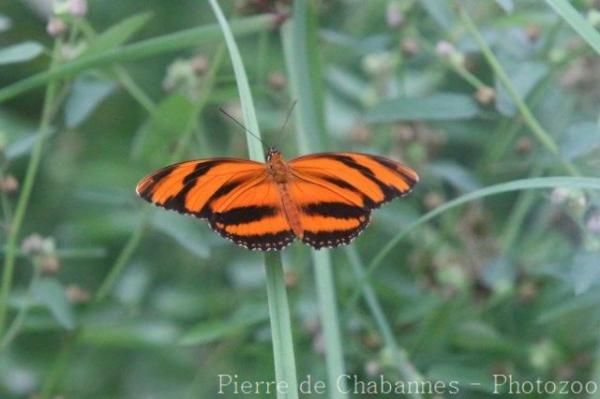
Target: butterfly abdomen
(290, 208)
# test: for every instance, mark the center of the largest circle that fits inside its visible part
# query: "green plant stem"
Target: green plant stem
(303, 64)
(134, 90)
(123, 257)
(589, 183)
(514, 222)
(281, 328)
(283, 344)
(533, 124)
(69, 253)
(460, 69)
(406, 369)
(21, 208)
(137, 51)
(58, 367)
(14, 328)
(334, 355)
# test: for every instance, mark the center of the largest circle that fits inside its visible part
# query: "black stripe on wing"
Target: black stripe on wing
(410, 180)
(244, 214)
(333, 238)
(389, 192)
(339, 210)
(368, 202)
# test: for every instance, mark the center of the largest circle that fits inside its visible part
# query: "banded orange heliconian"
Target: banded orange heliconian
(323, 199)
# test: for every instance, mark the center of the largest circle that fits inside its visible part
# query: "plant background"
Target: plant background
(504, 284)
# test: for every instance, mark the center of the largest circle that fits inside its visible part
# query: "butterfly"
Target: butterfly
(323, 199)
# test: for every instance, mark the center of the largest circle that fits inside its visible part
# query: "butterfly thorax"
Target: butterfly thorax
(277, 167)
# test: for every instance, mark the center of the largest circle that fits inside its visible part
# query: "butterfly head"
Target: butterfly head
(273, 153)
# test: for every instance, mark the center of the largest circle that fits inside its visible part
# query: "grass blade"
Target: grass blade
(590, 183)
(407, 371)
(283, 345)
(577, 22)
(302, 62)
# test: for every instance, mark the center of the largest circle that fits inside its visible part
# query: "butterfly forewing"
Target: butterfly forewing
(251, 216)
(192, 186)
(376, 178)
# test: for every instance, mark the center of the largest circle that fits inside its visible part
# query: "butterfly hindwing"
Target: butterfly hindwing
(251, 216)
(329, 215)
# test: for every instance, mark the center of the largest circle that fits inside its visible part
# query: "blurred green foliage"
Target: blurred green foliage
(506, 284)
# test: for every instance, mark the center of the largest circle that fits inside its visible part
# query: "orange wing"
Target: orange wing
(235, 196)
(336, 192)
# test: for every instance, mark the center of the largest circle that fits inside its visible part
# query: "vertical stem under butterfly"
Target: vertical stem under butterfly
(281, 329)
(283, 344)
(302, 60)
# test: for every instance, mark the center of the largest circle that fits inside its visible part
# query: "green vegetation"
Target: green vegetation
(490, 266)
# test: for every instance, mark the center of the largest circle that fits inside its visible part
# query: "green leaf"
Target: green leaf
(439, 106)
(117, 34)
(21, 52)
(133, 285)
(577, 304)
(580, 139)
(440, 11)
(507, 5)
(5, 23)
(302, 58)
(168, 122)
(86, 94)
(524, 76)
(50, 293)
(455, 174)
(475, 335)
(585, 271)
(186, 231)
(524, 184)
(140, 50)
(204, 333)
(468, 377)
(24, 145)
(132, 334)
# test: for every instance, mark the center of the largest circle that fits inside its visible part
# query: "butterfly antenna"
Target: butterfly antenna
(244, 128)
(287, 118)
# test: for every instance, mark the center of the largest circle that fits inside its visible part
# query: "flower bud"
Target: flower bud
(409, 46)
(394, 15)
(78, 8)
(49, 264)
(593, 17)
(485, 95)
(277, 80)
(444, 48)
(593, 223)
(33, 244)
(56, 27)
(76, 294)
(8, 184)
